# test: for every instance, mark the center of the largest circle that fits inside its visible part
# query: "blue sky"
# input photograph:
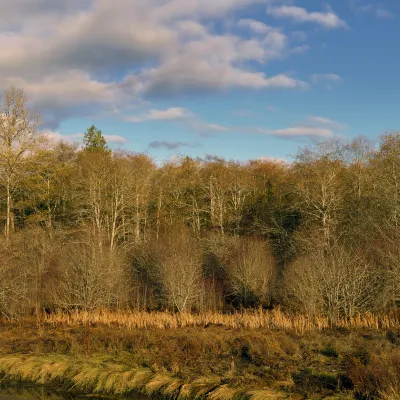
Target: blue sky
(242, 79)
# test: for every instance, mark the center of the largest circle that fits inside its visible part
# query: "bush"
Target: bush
(335, 283)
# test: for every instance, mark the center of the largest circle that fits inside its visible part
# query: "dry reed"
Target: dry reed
(274, 320)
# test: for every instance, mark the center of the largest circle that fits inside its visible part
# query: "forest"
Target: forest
(89, 228)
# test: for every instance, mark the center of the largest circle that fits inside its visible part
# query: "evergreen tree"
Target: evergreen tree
(94, 140)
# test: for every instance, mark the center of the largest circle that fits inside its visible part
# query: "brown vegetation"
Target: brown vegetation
(213, 361)
(270, 320)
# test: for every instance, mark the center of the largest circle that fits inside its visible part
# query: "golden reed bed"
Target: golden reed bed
(274, 319)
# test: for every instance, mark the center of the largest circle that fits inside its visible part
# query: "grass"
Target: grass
(103, 375)
(250, 355)
(257, 319)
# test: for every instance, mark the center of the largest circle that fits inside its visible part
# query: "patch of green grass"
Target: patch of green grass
(329, 351)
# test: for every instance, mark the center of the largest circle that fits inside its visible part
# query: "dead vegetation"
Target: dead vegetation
(217, 362)
(249, 319)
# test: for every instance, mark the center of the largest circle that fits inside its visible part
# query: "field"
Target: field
(251, 355)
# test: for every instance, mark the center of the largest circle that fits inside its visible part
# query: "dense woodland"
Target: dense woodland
(86, 227)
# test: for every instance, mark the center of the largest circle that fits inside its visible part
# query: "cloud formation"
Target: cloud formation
(328, 20)
(313, 127)
(83, 55)
(179, 115)
(173, 113)
(162, 144)
(254, 26)
(54, 136)
(376, 9)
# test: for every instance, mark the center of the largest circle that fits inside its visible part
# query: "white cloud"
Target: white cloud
(172, 113)
(328, 20)
(274, 160)
(214, 63)
(173, 9)
(192, 29)
(286, 81)
(314, 126)
(83, 57)
(115, 139)
(218, 128)
(300, 49)
(255, 26)
(178, 115)
(55, 136)
(310, 131)
(326, 122)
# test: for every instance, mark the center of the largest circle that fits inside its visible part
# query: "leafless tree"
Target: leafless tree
(18, 140)
(251, 272)
(339, 284)
(181, 270)
(90, 279)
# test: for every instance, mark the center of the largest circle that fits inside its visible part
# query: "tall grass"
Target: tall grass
(275, 320)
(99, 375)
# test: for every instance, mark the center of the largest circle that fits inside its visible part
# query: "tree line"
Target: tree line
(86, 227)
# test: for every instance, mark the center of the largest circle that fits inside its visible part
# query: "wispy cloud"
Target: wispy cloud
(275, 160)
(328, 20)
(383, 13)
(217, 128)
(115, 139)
(163, 144)
(309, 131)
(255, 26)
(376, 9)
(315, 78)
(313, 127)
(173, 113)
(300, 49)
(177, 115)
(326, 122)
(55, 136)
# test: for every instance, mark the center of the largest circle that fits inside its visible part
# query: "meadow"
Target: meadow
(246, 355)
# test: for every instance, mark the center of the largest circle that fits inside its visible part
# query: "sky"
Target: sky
(241, 79)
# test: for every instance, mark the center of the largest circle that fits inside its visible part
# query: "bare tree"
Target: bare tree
(89, 279)
(319, 187)
(251, 272)
(339, 284)
(181, 270)
(18, 139)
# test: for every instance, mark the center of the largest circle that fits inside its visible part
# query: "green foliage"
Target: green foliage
(94, 140)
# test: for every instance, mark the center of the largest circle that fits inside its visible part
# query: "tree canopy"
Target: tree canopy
(93, 140)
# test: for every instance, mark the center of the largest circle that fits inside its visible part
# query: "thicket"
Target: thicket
(90, 228)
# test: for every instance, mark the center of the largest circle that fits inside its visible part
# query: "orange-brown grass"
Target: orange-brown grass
(217, 362)
(275, 319)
